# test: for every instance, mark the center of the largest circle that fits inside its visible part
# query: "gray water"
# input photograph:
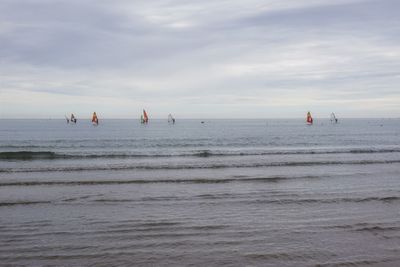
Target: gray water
(222, 193)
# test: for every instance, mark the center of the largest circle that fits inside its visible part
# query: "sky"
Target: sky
(199, 58)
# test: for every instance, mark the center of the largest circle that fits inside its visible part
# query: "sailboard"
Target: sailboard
(333, 118)
(171, 119)
(95, 120)
(144, 118)
(73, 119)
(309, 118)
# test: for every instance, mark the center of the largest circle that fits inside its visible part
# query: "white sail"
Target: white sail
(171, 119)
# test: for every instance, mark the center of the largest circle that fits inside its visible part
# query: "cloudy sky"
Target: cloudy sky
(199, 58)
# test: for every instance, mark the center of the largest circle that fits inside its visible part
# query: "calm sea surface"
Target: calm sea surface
(222, 193)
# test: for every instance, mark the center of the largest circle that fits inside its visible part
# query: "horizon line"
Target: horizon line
(157, 118)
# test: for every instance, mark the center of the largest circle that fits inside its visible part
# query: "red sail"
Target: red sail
(309, 118)
(146, 118)
(94, 118)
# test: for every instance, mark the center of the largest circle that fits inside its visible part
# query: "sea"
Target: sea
(213, 193)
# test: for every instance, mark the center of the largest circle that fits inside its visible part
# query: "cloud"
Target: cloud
(199, 58)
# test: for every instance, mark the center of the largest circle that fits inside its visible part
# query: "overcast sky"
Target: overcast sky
(199, 58)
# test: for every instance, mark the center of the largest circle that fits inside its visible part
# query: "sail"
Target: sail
(145, 117)
(333, 118)
(309, 118)
(73, 119)
(171, 119)
(95, 120)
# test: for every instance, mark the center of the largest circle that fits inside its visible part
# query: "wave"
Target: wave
(27, 155)
(194, 166)
(51, 155)
(294, 201)
(276, 256)
(330, 200)
(239, 199)
(151, 181)
(352, 263)
(23, 203)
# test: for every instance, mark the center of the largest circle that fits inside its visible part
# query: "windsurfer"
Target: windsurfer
(73, 119)
(309, 118)
(95, 120)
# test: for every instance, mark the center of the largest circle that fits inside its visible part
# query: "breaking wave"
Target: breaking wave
(51, 155)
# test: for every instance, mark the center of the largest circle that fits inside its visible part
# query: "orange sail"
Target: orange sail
(309, 118)
(145, 117)
(95, 120)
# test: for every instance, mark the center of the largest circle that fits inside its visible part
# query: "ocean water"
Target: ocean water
(222, 193)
